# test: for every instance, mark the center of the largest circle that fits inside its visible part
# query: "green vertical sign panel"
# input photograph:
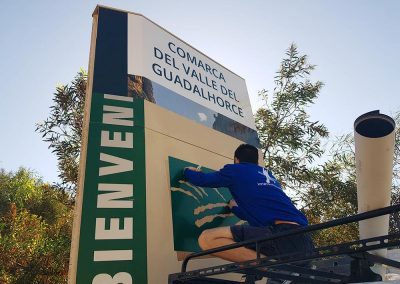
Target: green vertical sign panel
(112, 245)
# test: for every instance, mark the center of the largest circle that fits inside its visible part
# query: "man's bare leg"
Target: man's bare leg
(218, 237)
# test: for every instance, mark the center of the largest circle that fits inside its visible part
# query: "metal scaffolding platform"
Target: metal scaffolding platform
(348, 262)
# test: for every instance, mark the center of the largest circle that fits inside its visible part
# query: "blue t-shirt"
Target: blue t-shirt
(259, 196)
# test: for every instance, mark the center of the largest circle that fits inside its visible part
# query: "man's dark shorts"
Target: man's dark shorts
(299, 243)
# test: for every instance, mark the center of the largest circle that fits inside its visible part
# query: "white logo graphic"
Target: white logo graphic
(269, 179)
(266, 174)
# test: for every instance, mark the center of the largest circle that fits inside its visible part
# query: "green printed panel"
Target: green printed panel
(195, 208)
(125, 168)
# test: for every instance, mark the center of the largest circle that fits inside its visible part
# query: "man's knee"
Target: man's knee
(204, 240)
(208, 239)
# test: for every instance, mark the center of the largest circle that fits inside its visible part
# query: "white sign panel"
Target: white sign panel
(166, 60)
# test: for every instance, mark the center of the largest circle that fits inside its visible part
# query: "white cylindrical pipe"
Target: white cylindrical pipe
(374, 150)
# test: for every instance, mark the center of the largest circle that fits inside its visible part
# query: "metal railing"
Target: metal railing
(278, 262)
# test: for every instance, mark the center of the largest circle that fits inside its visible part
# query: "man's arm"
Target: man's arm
(219, 178)
(236, 210)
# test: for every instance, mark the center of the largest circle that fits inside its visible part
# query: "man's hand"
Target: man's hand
(232, 203)
(198, 169)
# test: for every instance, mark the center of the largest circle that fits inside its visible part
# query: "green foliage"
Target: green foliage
(35, 230)
(289, 139)
(292, 146)
(332, 193)
(19, 189)
(395, 218)
(63, 129)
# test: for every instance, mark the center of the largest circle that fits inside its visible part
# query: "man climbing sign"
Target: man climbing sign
(258, 199)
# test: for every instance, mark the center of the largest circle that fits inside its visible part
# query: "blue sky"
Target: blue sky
(355, 45)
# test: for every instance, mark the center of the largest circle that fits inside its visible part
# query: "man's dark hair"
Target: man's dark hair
(247, 153)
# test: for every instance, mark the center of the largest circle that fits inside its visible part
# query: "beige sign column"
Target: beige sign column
(374, 147)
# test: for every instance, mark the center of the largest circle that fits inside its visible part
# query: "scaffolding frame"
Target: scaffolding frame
(319, 266)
